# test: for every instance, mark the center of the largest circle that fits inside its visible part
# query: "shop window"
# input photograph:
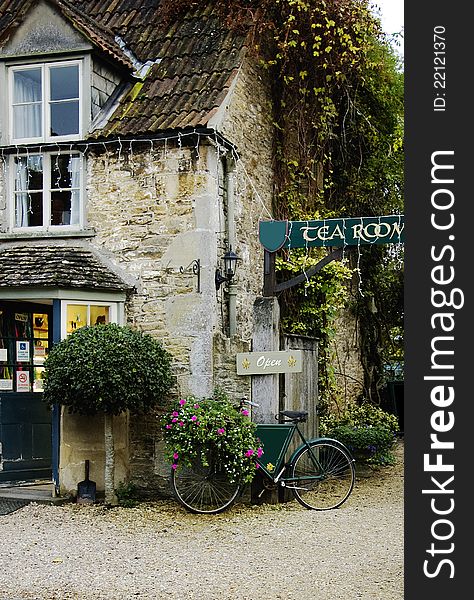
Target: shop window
(80, 314)
(24, 345)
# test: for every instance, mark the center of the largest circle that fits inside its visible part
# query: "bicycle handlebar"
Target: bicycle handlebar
(245, 400)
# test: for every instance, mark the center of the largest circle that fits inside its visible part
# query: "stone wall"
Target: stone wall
(247, 122)
(154, 211)
(245, 119)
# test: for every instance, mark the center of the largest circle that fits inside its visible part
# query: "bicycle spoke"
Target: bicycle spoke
(203, 489)
(324, 476)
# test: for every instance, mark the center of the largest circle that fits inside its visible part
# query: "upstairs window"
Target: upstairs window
(47, 190)
(45, 102)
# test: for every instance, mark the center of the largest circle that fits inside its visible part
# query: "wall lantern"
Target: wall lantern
(230, 266)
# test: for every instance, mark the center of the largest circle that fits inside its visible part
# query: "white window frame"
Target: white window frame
(48, 159)
(114, 313)
(46, 100)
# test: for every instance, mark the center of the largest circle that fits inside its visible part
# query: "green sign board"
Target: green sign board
(331, 232)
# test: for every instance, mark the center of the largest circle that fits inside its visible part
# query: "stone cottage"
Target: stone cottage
(133, 156)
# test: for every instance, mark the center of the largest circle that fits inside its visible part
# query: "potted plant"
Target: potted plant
(212, 426)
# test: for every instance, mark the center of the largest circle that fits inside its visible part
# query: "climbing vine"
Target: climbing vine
(338, 113)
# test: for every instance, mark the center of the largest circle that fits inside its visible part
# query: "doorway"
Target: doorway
(25, 421)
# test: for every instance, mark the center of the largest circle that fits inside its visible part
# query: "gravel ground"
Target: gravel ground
(158, 551)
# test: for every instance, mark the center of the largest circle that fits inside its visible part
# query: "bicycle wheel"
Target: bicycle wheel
(324, 478)
(203, 489)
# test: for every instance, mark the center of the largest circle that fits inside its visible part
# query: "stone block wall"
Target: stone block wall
(154, 211)
(247, 122)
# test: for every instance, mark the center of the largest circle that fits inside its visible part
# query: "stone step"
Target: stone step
(42, 493)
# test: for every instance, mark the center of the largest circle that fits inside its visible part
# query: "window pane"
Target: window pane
(60, 171)
(64, 118)
(64, 82)
(76, 317)
(61, 208)
(28, 191)
(29, 210)
(99, 315)
(27, 86)
(29, 172)
(27, 121)
(65, 176)
(27, 97)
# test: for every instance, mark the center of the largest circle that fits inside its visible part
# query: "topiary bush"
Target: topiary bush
(108, 369)
(368, 431)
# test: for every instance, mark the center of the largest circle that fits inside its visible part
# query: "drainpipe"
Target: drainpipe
(230, 186)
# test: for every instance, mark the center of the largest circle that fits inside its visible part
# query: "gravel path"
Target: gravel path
(158, 551)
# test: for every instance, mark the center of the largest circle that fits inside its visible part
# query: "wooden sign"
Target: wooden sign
(331, 232)
(269, 363)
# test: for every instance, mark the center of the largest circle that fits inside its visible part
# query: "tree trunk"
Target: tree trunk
(109, 476)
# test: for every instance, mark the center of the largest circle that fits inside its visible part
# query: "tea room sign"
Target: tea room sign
(268, 363)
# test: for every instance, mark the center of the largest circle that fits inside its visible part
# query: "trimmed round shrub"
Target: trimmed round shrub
(108, 369)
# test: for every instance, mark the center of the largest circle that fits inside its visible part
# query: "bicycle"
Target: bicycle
(320, 472)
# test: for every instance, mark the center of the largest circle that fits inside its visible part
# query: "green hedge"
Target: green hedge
(368, 431)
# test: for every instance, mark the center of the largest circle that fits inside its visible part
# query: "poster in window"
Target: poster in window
(22, 381)
(6, 384)
(23, 351)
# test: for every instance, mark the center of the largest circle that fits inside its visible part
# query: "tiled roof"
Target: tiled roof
(194, 60)
(55, 266)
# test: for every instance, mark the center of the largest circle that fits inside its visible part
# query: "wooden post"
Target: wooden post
(265, 388)
(269, 275)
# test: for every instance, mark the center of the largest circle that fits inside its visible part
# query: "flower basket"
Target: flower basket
(213, 429)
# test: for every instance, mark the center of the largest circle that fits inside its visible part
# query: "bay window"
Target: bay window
(83, 313)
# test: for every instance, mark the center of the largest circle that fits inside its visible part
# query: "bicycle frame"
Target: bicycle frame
(276, 439)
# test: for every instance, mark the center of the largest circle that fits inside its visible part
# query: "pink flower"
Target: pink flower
(194, 418)
(174, 466)
(196, 406)
(257, 466)
(168, 426)
(175, 413)
(221, 431)
(175, 456)
(182, 402)
(174, 420)
(259, 452)
(245, 412)
(249, 452)
(181, 423)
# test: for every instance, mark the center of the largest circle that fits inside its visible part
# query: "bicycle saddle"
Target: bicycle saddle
(293, 415)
